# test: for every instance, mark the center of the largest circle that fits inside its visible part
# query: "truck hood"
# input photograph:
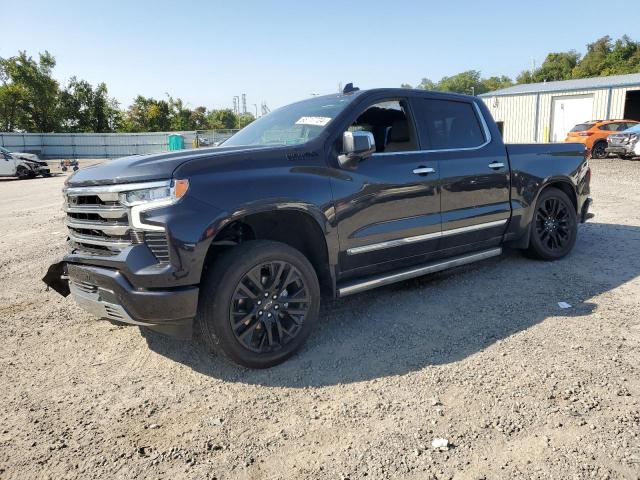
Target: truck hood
(143, 168)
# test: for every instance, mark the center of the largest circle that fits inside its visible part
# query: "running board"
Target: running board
(400, 275)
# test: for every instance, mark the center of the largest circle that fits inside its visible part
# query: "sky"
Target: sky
(205, 52)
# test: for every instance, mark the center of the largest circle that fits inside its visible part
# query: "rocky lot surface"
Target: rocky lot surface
(481, 356)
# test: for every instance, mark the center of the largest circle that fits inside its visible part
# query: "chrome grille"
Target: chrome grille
(98, 223)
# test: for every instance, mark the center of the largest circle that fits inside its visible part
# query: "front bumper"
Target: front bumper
(106, 293)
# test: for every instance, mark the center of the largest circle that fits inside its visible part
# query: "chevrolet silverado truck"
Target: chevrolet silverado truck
(329, 196)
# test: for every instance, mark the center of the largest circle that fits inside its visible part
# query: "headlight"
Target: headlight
(165, 194)
(160, 195)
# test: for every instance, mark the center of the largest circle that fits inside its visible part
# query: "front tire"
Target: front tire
(554, 227)
(258, 303)
(23, 173)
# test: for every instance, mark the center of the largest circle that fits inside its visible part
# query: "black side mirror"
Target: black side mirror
(356, 146)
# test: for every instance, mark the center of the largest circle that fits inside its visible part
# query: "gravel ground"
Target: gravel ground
(481, 356)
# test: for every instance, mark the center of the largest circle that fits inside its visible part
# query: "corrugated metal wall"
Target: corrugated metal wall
(518, 112)
(99, 145)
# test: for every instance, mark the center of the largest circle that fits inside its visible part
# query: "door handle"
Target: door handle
(496, 165)
(424, 170)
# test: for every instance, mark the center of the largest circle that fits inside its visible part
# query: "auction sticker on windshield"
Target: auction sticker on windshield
(319, 121)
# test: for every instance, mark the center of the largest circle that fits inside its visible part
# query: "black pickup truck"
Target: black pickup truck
(330, 196)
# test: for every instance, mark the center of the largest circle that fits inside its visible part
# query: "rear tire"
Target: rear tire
(554, 227)
(258, 303)
(599, 150)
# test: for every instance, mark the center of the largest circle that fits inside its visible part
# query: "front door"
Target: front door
(7, 165)
(388, 208)
(474, 173)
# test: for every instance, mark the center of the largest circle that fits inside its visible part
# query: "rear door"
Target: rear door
(474, 172)
(388, 208)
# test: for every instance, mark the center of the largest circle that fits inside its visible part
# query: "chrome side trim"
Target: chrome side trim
(483, 124)
(473, 228)
(393, 243)
(381, 280)
(420, 238)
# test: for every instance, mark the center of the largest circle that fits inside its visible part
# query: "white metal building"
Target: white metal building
(545, 112)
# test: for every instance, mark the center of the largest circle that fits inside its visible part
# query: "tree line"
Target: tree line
(603, 57)
(32, 100)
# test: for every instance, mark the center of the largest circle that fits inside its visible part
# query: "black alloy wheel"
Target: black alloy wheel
(269, 306)
(258, 303)
(554, 228)
(599, 150)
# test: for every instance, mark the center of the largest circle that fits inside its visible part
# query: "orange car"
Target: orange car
(594, 134)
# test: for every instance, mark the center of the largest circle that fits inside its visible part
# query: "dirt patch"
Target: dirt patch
(481, 356)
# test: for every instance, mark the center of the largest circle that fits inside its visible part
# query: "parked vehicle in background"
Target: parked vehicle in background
(11, 166)
(625, 144)
(39, 166)
(593, 134)
(335, 194)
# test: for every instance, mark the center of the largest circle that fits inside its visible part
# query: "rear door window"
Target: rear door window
(448, 124)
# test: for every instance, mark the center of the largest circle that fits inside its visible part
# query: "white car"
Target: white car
(32, 161)
(11, 166)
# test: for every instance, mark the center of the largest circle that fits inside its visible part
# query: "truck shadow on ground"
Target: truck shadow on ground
(441, 318)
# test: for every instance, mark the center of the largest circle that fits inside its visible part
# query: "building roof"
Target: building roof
(567, 85)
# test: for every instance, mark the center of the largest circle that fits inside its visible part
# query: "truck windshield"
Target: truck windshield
(292, 125)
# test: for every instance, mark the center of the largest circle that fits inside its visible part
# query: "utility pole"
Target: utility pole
(255, 105)
(244, 103)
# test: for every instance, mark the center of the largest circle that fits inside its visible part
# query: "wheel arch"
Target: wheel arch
(296, 226)
(561, 183)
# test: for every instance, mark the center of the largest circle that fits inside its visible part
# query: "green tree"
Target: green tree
(495, 83)
(12, 99)
(85, 109)
(199, 119)
(526, 76)
(147, 115)
(557, 66)
(244, 120)
(427, 84)
(39, 91)
(222, 119)
(465, 82)
(604, 57)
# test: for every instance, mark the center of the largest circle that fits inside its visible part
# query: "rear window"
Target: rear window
(581, 127)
